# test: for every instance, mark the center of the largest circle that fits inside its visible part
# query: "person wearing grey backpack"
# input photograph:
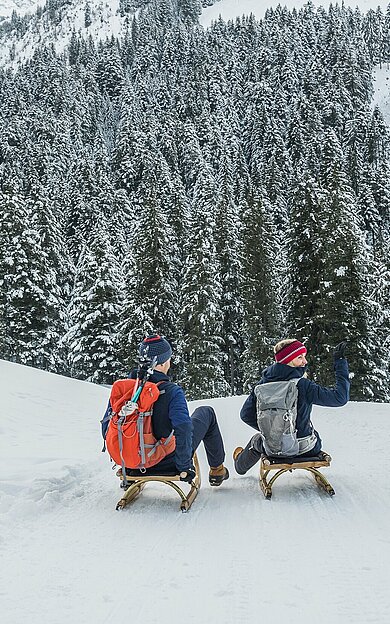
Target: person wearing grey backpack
(279, 406)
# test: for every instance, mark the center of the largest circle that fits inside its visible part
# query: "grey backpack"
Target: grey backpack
(277, 415)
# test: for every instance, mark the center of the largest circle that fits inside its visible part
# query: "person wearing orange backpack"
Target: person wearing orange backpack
(176, 434)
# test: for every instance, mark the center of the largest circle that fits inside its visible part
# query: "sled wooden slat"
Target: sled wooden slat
(153, 478)
(267, 465)
(295, 465)
(137, 484)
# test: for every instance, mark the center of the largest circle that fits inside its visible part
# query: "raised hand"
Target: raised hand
(339, 351)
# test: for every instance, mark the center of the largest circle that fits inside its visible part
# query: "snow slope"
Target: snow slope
(20, 6)
(230, 9)
(105, 22)
(68, 556)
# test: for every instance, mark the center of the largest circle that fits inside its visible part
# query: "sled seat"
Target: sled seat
(288, 464)
(136, 483)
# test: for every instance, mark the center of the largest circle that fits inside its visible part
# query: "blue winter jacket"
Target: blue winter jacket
(309, 394)
(170, 412)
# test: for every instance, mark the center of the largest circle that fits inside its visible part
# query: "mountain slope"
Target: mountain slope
(234, 557)
(54, 22)
(230, 9)
(20, 6)
(55, 26)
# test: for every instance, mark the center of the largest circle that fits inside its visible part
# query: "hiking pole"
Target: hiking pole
(146, 369)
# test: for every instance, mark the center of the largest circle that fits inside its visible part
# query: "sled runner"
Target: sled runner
(288, 464)
(137, 483)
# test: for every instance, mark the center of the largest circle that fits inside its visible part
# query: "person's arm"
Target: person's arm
(329, 397)
(248, 412)
(182, 427)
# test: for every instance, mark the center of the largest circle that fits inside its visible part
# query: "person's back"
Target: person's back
(290, 356)
(171, 416)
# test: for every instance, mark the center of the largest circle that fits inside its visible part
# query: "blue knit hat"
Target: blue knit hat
(155, 346)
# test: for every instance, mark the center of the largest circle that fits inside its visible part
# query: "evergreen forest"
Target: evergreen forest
(227, 187)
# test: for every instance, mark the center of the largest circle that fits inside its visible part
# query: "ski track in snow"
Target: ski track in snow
(67, 555)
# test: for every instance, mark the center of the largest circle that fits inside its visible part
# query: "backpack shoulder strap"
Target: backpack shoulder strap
(164, 381)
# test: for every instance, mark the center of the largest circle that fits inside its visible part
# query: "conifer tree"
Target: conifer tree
(306, 261)
(109, 70)
(202, 319)
(151, 278)
(190, 10)
(61, 268)
(94, 311)
(130, 143)
(190, 156)
(228, 250)
(260, 296)
(329, 299)
(29, 301)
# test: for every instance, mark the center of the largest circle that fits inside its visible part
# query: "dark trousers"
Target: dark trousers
(250, 455)
(206, 429)
(253, 451)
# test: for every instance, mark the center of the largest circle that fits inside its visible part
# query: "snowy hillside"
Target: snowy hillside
(99, 21)
(104, 19)
(230, 9)
(20, 6)
(68, 556)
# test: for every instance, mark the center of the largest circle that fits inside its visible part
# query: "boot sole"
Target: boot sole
(217, 481)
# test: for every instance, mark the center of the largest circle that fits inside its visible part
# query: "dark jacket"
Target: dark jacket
(170, 412)
(309, 394)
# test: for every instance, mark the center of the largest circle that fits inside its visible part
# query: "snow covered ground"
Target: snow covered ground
(105, 21)
(68, 556)
(230, 9)
(20, 6)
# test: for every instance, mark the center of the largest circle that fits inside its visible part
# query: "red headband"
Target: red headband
(152, 338)
(290, 352)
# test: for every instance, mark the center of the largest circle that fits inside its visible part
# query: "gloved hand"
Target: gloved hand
(339, 351)
(188, 475)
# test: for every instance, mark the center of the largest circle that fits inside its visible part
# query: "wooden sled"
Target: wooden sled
(285, 464)
(138, 483)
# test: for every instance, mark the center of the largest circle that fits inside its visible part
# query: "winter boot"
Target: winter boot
(245, 458)
(236, 452)
(218, 474)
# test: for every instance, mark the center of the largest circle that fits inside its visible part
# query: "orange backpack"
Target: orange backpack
(130, 440)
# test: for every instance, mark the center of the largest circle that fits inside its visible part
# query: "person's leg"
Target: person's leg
(250, 455)
(205, 427)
